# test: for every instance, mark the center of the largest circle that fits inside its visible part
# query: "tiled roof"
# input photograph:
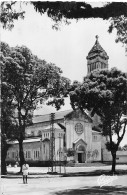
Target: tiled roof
(97, 50)
(46, 118)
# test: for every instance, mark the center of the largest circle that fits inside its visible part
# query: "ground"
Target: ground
(70, 185)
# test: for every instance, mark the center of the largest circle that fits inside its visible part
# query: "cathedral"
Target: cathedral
(75, 139)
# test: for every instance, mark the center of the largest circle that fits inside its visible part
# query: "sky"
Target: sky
(68, 47)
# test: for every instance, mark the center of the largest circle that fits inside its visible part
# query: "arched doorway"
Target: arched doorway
(81, 154)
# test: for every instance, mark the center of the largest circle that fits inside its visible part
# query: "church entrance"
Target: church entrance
(80, 148)
(80, 157)
(81, 154)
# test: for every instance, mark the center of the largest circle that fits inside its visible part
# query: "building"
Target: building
(72, 131)
(75, 137)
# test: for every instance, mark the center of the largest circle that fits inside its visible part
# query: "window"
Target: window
(29, 154)
(38, 154)
(79, 128)
(95, 137)
(13, 154)
(44, 148)
(34, 154)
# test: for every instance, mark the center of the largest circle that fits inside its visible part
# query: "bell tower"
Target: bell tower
(97, 58)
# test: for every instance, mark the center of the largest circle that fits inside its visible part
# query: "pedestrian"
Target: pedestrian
(25, 169)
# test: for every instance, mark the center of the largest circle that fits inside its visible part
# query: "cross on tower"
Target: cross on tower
(97, 37)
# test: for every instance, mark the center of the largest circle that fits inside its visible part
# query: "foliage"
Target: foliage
(70, 152)
(10, 13)
(95, 154)
(104, 93)
(89, 154)
(64, 11)
(8, 127)
(120, 24)
(29, 81)
(76, 10)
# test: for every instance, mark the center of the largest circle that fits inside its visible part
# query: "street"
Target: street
(44, 170)
(64, 185)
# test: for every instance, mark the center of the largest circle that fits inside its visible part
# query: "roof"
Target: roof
(26, 141)
(56, 126)
(46, 118)
(94, 131)
(58, 116)
(97, 50)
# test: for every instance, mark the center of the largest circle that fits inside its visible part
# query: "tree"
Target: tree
(62, 11)
(70, 152)
(29, 81)
(77, 10)
(120, 24)
(7, 122)
(10, 13)
(104, 93)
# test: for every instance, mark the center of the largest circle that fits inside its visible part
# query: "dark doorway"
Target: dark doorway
(80, 157)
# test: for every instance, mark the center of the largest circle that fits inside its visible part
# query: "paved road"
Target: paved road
(63, 186)
(68, 169)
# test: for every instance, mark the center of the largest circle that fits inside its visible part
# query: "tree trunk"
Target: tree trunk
(21, 154)
(113, 161)
(4, 149)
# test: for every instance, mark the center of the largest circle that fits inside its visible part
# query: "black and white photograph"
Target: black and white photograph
(63, 97)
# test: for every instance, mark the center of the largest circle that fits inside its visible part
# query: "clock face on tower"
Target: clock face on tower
(79, 128)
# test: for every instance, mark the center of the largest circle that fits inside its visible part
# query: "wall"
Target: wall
(96, 146)
(33, 148)
(121, 156)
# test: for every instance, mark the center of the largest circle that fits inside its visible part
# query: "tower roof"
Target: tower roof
(97, 50)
